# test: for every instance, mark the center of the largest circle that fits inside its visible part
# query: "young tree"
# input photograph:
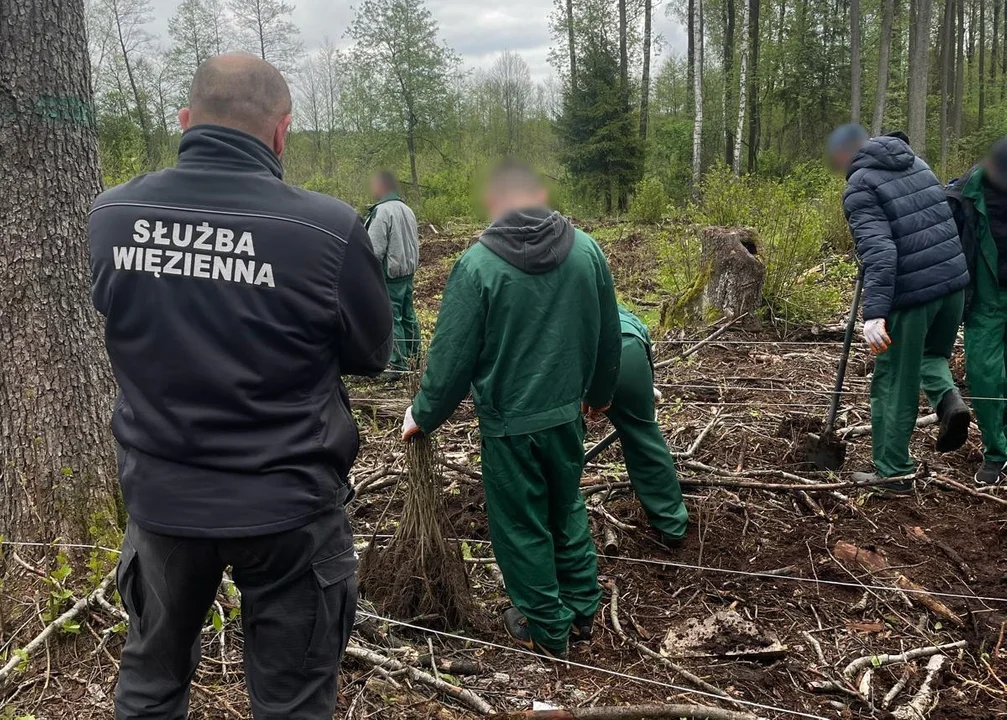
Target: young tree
(959, 93)
(884, 58)
(947, 51)
(509, 87)
(194, 31)
(855, 68)
(265, 29)
(57, 477)
(571, 39)
(397, 41)
(921, 12)
(742, 90)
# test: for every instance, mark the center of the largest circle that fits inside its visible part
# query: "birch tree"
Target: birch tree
(265, 29)
(742, 89)
(697, 127)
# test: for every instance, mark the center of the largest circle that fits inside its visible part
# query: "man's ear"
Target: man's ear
(184, 118)
(280, 134)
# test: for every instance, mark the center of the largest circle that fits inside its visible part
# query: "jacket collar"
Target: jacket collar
(220, 147)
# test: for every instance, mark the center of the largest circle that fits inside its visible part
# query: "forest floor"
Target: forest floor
(770, 569)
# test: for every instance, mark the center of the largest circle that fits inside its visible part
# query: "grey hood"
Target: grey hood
(535, 241)
(883, 153)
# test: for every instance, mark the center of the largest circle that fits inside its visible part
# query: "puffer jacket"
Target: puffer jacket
(905, 234)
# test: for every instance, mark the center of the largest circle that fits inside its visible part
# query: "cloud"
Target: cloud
(476, 29)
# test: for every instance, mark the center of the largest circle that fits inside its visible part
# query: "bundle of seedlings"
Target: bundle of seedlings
(419, 574)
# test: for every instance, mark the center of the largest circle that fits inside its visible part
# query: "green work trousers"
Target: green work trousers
(649, 463)
(923, 339)
(406, 327)
(985, 337)
(539, 528)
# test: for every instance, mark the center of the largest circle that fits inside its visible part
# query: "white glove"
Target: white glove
(658, 397)
(409, 426)
(876, 335)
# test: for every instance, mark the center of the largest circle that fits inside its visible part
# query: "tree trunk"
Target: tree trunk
(728, 68)
(735, 274)
(572, 42)
(742, 90)
(413, 175)
(648, 13)
(623, 53)
(995, 50)
(884, 57)
(691, 51)
(919, 65)
(141, 109)
(855, 69)
(960, 71)
(697, 127)
(982, 63)
(753, 85)
(57, 478)
(947, 71)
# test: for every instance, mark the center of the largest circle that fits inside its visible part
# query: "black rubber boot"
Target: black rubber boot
(516, 626)
(955, 418)
(582, 630)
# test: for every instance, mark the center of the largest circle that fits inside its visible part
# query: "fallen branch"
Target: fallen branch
(858, 430)
(462, 695)
(21, 656)
(629, 712)
(925, 699)
(877, 661)
(955, 485)
(702, 343)
(643, 649)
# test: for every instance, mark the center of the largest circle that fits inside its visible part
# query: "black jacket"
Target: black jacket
(234, 304)
(905, 235)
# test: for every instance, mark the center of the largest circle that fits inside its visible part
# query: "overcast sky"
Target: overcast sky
(479, 30)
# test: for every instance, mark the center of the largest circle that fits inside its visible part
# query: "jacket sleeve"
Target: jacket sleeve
(365, 312)
(872, 235)
(606, 369)
(454, 351)
(378, 229)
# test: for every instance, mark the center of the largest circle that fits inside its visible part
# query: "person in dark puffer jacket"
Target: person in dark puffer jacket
(914, 279)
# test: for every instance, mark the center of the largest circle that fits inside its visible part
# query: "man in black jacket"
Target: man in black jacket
(914, 280)
(234, 305)
(979, 202)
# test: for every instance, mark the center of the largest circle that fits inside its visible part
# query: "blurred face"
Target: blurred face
(840, 160)
(501, 201)
(377, 188)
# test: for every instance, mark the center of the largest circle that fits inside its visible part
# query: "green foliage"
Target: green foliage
(793, 223)
(650, 202)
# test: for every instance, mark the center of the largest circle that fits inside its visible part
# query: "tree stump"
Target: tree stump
(734, 272)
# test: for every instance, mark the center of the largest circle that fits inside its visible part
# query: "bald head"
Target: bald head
(240, 91)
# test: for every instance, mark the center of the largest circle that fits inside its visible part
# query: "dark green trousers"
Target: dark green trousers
(406, 327)
(985, 337)
(649, 463)
(923, 339)
(539, 528)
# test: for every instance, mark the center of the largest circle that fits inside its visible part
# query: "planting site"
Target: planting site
(798, 593)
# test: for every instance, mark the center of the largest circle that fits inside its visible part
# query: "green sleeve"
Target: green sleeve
(606, 369)
(454, 351)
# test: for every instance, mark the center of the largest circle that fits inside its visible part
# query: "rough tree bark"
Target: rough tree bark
(624, 52)
(884, 57)
(995, 49)
(753, 85)
(919, 64)
(648, 19)
(742, 90)
(734, 273)
(855, 69)
(697, 91)
(57, 479)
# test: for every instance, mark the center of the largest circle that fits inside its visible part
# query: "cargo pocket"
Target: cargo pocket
(127, 581)
(336, 604)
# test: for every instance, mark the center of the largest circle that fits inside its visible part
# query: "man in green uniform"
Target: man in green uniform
(649, 463)
(979, 202)
(395, 240)
(530, 324)
(914, 281)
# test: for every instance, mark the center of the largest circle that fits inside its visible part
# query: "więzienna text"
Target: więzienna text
(185, 250)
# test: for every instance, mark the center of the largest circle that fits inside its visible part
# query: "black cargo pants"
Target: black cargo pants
(298, 599)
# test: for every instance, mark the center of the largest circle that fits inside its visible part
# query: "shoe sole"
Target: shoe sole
(996, 482)
(957, 432)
